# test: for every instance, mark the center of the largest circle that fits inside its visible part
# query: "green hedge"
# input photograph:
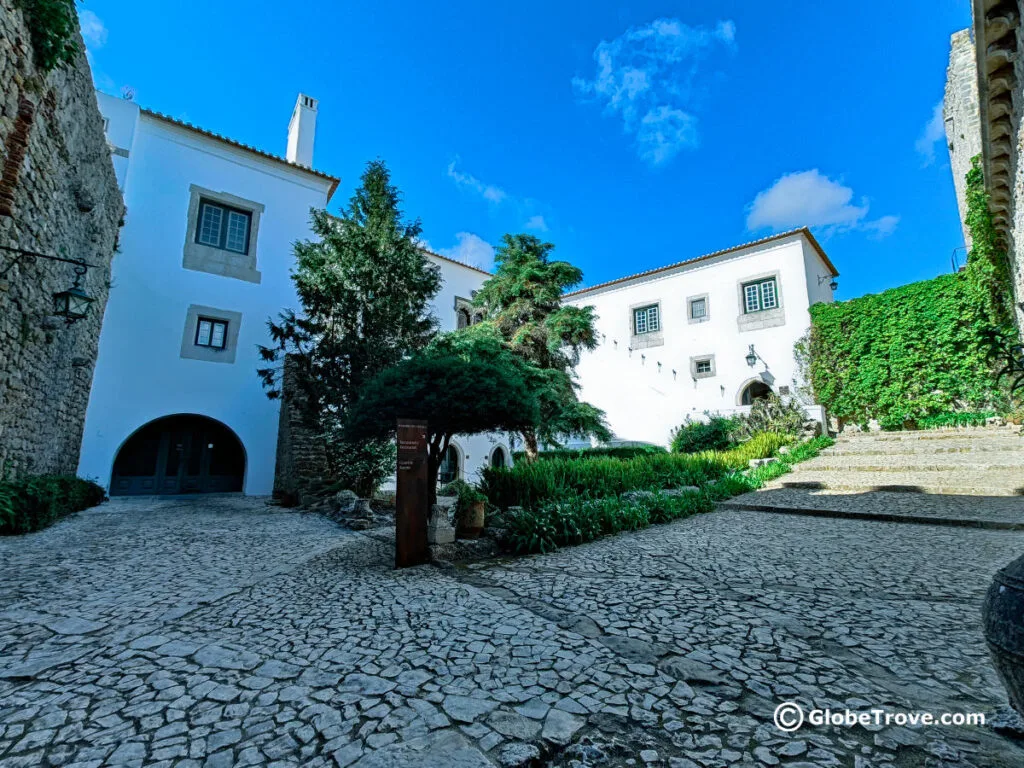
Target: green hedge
(34, 502)
(902, 355)
(620, 452)
(577, 520)
(533, 483)
(715, 434)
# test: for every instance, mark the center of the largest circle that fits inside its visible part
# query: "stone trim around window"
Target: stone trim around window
(707, 308)
(767, 318)
(652, 338)
(693, 367)
(191, 351)
(217, 261)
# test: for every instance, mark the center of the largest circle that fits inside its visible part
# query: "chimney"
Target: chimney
(302, 131)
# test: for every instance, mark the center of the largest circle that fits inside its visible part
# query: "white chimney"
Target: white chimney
(302, 131)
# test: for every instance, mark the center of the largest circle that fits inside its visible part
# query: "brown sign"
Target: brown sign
(412, 496)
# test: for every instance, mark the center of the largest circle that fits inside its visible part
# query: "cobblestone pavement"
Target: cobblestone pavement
(223, 632)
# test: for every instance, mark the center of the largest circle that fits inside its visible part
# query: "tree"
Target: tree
(523, 300)
(365, 288)
(465, 383)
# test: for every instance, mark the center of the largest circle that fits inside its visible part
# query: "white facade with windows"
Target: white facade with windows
(674, 342)
(205, 260)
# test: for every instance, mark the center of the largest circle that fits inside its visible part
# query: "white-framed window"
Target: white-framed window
(646, 320)
(703, 366)
(211, 333)
(698, 309)
(761, 295)
(223, 227)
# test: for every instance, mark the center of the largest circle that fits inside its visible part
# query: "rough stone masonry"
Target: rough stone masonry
(58, 196)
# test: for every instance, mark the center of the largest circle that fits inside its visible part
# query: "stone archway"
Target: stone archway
(179, 454)
(753, 390)
(451, 465)
(499, 457)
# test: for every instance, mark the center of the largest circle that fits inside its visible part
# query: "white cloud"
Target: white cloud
(537, 223)
(809, 198)
(488, 192)
(934, 132)
(94, 32)
(469, 249)
(646, 77)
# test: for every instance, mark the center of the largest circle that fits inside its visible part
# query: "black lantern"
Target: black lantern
(73, 304)
(751, 357)
(834, 285)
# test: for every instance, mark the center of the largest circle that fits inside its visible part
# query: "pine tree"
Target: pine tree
(523, 300)
(365, 288)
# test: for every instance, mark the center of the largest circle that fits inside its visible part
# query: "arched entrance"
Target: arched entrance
(179, 454)
(499, 458)
(755, 390)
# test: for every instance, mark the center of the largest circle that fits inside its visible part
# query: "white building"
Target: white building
(674, 341)
(205, 257)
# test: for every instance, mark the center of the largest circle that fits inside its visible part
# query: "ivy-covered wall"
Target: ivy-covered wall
(903, 354)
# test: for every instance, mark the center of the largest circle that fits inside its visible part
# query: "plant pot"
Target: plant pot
(1003, 621)
(471, 522)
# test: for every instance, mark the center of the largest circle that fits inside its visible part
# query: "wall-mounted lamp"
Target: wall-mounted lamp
(659, 366)
(833, 285)
(72, 303)
(752, 357)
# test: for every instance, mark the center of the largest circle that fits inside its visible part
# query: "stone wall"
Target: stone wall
(59, 198)
(301, 462)
(962, 118)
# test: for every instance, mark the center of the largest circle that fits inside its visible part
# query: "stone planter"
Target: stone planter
(1003, 620)
(471, 522)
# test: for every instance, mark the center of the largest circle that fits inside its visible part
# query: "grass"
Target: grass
(575, 519)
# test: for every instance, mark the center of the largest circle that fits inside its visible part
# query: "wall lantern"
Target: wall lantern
(833, 285)
(751, 357)
(72, 303)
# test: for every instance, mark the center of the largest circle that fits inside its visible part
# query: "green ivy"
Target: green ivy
(904, 354)
(52, 25)
(988, 264)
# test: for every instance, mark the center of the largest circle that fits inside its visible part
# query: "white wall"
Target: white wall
(644, 403)
(140, 375)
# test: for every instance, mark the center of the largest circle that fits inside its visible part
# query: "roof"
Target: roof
(239, 145)
(456, 261)
(764, 240)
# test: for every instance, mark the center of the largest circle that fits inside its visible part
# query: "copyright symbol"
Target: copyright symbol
(789, 717)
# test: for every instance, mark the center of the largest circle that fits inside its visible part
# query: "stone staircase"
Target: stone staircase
(953, 477)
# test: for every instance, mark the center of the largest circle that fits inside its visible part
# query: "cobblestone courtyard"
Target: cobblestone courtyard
(224, 632)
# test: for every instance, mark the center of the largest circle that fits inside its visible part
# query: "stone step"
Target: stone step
(1005, 513)
(978, 461)
(932, 434)
(963, 445)
(1002, 482)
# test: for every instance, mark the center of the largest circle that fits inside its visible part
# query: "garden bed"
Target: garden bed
(34, 502)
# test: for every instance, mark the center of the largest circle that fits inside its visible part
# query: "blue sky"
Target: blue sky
(631, 136)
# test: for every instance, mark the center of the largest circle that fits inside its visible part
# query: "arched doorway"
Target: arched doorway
(755, 390)
(451, 465)
(179, 454)
(499, 458)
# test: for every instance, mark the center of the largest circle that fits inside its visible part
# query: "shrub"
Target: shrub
(579, 520)
(466, 494)
(772, 414)
(711, 435)
(33, 502)
(961, 419)
(616, 452)
(529, 484)
(760, 446)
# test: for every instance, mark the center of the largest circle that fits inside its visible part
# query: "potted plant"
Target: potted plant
(469, 509)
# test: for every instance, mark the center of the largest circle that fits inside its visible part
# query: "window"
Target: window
(223, 227)
(646, 320)
(760, 296)
(698, 309)
(702, 366)
(211, 333)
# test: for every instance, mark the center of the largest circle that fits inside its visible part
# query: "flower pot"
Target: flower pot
(471, 522)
